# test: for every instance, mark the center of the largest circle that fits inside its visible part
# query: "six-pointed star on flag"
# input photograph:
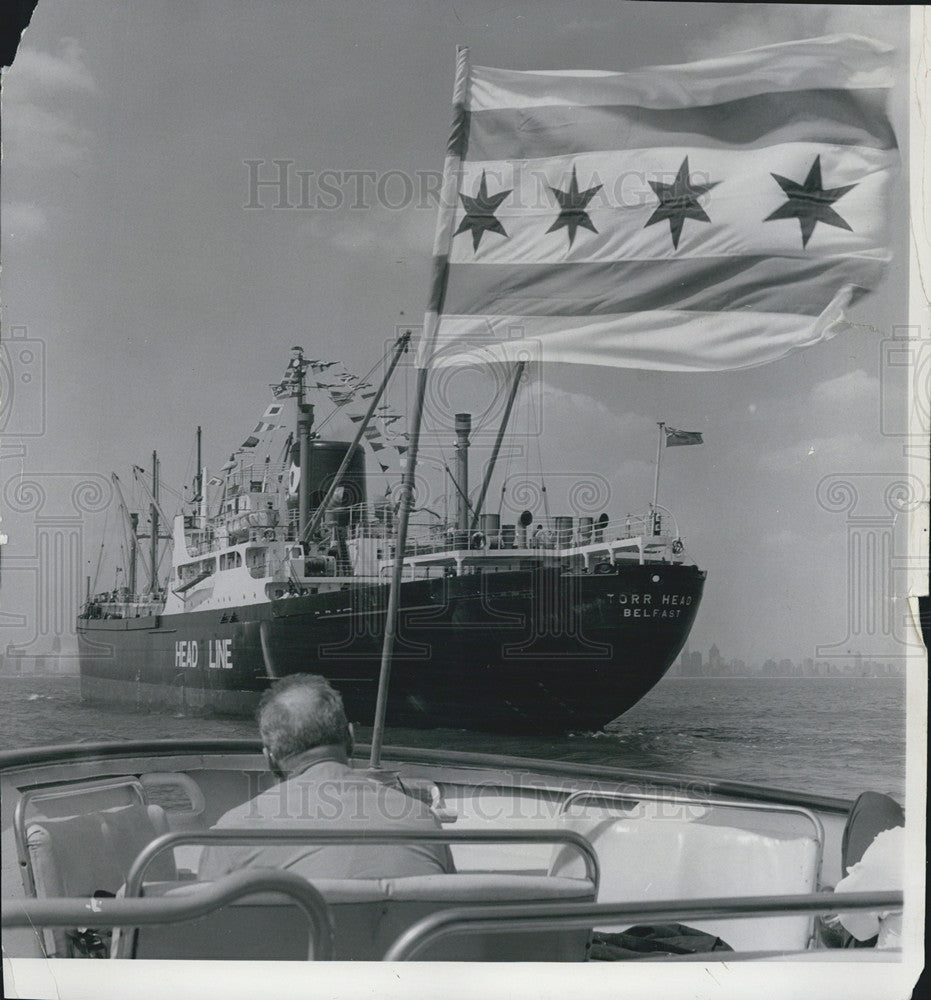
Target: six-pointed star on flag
(679, 201)
(573, 204)
(480, 213)
(810, 203)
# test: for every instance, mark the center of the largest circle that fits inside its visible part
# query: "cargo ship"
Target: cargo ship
(282, 564)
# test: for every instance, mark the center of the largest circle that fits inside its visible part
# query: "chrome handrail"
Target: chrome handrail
(583, 916)
(246, 836)
(771, 807)
(776, 807)
(137, 912)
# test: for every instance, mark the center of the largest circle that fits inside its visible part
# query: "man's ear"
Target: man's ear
(351, 741)
(273, 764)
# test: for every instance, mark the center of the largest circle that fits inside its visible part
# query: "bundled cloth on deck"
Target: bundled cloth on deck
(653, 940)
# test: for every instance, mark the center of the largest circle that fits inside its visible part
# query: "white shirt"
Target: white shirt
(881, 868)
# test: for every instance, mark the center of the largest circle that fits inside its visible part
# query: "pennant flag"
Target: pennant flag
(357, 418)
(674, 437)
(700, 217)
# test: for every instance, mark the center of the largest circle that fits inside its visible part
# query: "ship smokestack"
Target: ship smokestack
(463, 429)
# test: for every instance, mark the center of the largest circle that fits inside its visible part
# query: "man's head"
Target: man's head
(301, 712)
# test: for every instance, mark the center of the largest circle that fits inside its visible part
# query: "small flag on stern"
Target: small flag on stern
(701, 217)
(675, 437)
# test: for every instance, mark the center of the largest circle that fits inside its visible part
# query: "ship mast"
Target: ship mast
(134, 531)
(305, 421)
(480, 503)
(659, 454)
(199, 478)
(153, 515)
(132, 523)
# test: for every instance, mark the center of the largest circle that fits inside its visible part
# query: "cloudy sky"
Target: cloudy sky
(159, 301)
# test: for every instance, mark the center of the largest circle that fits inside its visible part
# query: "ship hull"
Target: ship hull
(518, 651)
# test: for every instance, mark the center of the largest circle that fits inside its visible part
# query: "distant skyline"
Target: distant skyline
(150, 298)
(717, 663)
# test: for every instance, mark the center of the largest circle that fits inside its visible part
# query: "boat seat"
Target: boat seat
(79, 856)
(660, 859)
(369, 915)
(258, 928)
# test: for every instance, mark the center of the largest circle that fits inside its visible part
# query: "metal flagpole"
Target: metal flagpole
(659, 452)
(452, 166)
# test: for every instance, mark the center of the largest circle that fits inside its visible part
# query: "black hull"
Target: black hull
(515, 652)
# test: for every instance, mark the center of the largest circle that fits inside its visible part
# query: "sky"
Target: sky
(154, 300)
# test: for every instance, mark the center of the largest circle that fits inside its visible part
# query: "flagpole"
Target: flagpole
(452, 166)
(659, 453)
(406, 502)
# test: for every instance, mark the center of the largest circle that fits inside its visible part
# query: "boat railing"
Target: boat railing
(686, 801)
(526, 917)
(532, 917)
(136, 912)
(180, 838)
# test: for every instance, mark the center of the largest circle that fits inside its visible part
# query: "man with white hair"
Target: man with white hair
(307, 742)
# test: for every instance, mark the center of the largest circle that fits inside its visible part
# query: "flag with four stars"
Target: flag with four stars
(700, 217)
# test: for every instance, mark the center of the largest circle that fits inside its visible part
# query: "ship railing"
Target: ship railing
(655, 527)
(533, 917)
(130, 608)
(648, 531)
